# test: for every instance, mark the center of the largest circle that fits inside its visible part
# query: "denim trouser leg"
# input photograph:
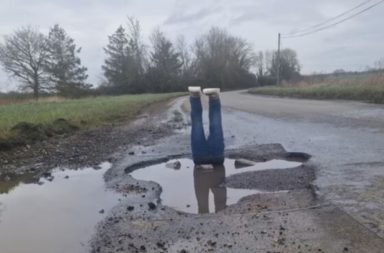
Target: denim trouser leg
(198, 141)
(215, 139)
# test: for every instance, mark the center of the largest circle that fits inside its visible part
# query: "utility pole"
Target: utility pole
(278, 59)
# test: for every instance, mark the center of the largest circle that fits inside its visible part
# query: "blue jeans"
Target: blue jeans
(210, 150)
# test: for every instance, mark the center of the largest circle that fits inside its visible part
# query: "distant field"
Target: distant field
(368, 88)
(85, 112)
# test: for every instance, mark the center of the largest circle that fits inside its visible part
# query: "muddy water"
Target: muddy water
(194, 190)
(53, 216)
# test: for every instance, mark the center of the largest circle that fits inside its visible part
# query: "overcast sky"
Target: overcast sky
(351, 45)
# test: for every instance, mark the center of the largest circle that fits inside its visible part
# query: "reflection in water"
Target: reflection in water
(11, 181)
(206, 180)
(195, 190)
(57, 216)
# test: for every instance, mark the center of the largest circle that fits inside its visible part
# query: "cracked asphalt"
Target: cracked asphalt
(339, 209)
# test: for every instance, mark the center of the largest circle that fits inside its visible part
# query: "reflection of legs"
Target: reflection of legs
(219, 192)
(220, 197)
(198, 141)
(201, 191)
(215, 139)
(205, 180)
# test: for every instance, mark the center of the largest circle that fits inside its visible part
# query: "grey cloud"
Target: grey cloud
(181, 17)
(89, 22)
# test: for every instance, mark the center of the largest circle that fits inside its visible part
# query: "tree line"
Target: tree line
(44, 63)
(51, 63)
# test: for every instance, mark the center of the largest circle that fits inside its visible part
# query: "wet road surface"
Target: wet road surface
(346, 140)
(288, 216)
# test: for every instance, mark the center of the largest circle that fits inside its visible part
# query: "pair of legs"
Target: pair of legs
(210, 180)
(207, 150)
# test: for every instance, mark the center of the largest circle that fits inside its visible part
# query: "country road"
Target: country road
(331, 203)
(346, 140)
(145, 194)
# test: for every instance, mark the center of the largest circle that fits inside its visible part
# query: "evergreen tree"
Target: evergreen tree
(116, 64)
(67, 75)
(124, 65)
(166, 65)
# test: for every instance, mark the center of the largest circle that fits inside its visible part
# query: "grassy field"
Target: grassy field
(87, 112)
(368, 88)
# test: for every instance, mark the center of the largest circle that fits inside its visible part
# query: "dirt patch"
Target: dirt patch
(41, 148)
(25, 133)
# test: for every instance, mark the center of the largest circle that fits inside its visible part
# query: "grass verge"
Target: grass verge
(40, 117)
(363, 87)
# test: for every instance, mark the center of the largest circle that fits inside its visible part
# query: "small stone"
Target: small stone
(160, 244)
(101, 211)
(66, 177)
(130, 208)
(151, 206)
(176, 165)
(131, 153)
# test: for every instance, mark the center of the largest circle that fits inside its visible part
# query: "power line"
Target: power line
(328, 20)
(333, 24)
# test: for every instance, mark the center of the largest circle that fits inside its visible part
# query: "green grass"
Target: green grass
(86, 112)
(368, 89)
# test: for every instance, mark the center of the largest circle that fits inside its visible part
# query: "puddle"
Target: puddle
(53, 216)
(200, 190)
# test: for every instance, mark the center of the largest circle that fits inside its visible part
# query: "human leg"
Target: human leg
(198, 140)
(218, 190)
(201, 190)
(215, 138)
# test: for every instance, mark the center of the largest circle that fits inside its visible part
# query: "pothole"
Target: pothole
(202, 189)
(57, 214)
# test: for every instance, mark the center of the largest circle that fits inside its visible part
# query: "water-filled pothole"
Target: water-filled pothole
(57, 215)
(201, 190)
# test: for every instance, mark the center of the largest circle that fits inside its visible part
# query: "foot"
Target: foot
(213, 92)
(194, 91)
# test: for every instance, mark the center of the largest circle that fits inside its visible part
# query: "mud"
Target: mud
(84, 148)
(287, 216)
(25, 133)
(293, 220)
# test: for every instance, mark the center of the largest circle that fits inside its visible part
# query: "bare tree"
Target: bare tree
(23, 55)
(187, 75)
(184, 53)
(224, 60)
(260, 64)
(289, 65)
(136, 50)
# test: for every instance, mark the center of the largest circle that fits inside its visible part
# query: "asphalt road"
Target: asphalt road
(346, 215)
(346, 140)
